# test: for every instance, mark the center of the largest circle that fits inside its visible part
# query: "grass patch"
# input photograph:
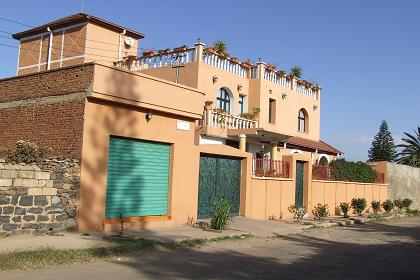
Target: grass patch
(51, 257)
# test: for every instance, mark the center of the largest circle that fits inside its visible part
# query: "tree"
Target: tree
(220, 47)
(296, 71)
(410, 153)
(383, 147)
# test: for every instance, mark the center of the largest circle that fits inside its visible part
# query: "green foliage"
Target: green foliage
(410, 154)
(359, 205)
(388, 205)
(407, 203)
(376, 206)
(320, 211)
(344, 206)
(25, 152)
(383, 147)
(399, 204)
(221, 48)
(352, 171)
(251, 115)
(296, 71)
(297, 212)
(220, 214)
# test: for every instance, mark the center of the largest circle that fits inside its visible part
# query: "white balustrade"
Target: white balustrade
(306, 91)
(223, 120)
(225, 64)
(274, 78)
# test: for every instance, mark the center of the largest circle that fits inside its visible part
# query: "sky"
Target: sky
(365, 54)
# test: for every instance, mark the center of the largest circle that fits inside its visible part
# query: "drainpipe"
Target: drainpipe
(49, 49)
(120, 43)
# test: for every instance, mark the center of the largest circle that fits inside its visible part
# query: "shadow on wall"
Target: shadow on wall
(99, 125)
(347, 256)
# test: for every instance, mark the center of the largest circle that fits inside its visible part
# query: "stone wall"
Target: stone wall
(404, 182)
(38, 198)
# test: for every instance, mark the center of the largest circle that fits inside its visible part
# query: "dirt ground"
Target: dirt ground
(373, 251)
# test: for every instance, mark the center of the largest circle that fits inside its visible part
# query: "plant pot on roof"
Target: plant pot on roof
(247, 64)
(182, 48)
(270, 67)
(164, 51)
(296, 71)
(235, 60)
(221, 48)
(281, 73)
(148, 53)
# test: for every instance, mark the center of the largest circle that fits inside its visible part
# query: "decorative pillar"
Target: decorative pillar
(198, 52)
(242, 142)
(274, 151)
(260, 69)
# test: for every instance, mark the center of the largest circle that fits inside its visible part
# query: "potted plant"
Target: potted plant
(289, 77)
(235, 60)
(221, 48)
(247, 64)
(270, 67)
(296, 71)
(281, 73)
(148, 53)
(164, 51)
(182, 48)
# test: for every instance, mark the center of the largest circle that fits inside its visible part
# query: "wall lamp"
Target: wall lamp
(215, 79)
(149, 116)
(315, 107)
(284, 95)
(239, 87)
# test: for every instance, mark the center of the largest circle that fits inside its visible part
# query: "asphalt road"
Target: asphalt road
(375, 251)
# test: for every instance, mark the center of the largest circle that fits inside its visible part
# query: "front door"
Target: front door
(300, 171)
(219, 178)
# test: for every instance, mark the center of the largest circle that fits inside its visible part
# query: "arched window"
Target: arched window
(223, 100)
(323, 160)
(302, 121)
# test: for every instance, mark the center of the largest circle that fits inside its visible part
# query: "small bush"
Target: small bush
(298, 212)
(352, 171)
(359, 205)
(376, 206)
(25, 152)
(220, 214)
(399, 204)
(407, 203)
(344, 206)
(320, 211)
(388, 205)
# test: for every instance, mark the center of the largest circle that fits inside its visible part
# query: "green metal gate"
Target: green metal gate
(300, 171)
(138, 178)
(219, 178)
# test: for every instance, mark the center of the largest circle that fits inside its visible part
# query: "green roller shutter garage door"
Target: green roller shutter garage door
(138, 175)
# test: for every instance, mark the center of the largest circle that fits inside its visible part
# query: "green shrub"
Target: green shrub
(359, 205)
(352, 171)
(320, 211)
(25, 152)
(407, 203)
(388, 205)
(399, 204)
(344, 206)
(298, 212)
(376, 206)
(220, 214)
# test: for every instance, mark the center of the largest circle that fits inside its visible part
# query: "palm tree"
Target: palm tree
(410, 153)
(296, 71)
(220, 47)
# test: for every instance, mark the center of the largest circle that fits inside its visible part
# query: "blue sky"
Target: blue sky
(364, 54)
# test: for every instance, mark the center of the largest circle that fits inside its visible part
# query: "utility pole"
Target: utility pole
(177, 65)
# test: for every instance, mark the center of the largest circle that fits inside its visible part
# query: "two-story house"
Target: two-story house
(159, 136)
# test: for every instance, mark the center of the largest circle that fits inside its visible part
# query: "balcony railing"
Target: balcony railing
(264, 167)
(225, 64)
(321, 172)
(306, 91)
(212, 117)
(274, 78)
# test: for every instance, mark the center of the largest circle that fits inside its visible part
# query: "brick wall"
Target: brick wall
(46, 109)
(38, 198)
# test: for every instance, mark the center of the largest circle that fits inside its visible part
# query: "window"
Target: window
(223, 100)
(242, 104)
(271, 111)
(302, 121)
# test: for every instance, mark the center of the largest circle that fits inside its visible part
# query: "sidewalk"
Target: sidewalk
(74, 240)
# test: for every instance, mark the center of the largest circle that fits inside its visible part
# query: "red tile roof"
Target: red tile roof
(74, 19)
(321, 146)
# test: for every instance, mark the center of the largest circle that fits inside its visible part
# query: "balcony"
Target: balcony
(247, 69)
(214, 118)
(264, 167)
